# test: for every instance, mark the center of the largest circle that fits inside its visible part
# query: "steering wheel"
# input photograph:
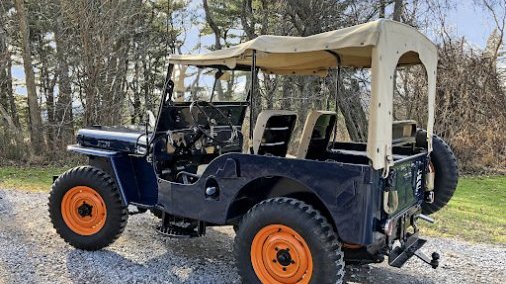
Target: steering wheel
(199, 105)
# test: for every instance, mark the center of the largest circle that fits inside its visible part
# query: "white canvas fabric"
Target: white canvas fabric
(380, 45)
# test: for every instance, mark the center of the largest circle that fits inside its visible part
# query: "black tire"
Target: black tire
(326, 253)
(103, 184)
(445, 169)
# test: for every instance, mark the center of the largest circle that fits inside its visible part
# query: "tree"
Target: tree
(35, 121)
(63, 107)
(6, 90)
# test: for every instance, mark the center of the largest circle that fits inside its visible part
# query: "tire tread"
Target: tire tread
(324, 233)
(103, 180)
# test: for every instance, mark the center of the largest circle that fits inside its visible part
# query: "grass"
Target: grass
(30, 179)
(476, 213)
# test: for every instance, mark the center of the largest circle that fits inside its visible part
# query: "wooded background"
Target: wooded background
(90, 62)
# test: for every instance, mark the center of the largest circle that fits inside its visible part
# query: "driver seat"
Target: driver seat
(316, 134)
(272, 133)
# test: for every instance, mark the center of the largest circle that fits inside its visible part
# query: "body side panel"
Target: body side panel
(346, 190)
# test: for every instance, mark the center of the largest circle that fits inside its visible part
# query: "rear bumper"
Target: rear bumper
(403, 228)
(402, 225)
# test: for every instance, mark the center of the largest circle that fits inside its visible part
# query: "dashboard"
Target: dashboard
(185, 140)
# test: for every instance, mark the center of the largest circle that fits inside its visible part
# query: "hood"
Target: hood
(119, 139)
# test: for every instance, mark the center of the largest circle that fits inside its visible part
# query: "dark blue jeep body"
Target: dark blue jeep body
(342, 185)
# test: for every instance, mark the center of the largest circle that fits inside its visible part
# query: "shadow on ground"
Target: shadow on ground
(200, 260)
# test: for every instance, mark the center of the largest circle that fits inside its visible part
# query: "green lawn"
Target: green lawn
(32, 179)
(477, 211)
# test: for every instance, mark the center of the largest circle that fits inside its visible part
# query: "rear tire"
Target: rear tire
(86, 208)
(445, 168)
(268, 231)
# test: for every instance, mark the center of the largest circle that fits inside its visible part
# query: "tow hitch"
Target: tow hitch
(401, 254)
(411, 244)
(434, 262)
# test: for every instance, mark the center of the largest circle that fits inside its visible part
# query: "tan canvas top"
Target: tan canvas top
(307, 55)
(380, 45)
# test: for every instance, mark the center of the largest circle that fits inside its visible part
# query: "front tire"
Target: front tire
(86, 208)
(284, 240)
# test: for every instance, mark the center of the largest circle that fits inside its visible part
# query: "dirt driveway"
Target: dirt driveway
(31, 252)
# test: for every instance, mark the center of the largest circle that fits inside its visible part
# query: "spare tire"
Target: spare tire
(445, 168)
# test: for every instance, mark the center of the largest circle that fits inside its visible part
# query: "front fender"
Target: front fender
(134, 176)
(92, 151)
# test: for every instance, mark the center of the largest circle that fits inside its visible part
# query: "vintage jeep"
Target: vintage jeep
(297, 217)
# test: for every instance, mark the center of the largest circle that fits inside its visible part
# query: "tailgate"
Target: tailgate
(408, 176)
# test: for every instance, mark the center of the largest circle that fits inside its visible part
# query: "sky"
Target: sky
(464, 19)
(471, 22)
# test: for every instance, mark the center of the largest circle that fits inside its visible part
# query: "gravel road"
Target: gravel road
(31, 252)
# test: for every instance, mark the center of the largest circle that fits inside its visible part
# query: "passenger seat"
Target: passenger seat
(316, 134)
(273, 131)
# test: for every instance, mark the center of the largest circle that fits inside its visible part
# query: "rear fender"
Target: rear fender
(274, 186)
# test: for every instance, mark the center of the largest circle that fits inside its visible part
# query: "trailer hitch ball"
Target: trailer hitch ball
(435, 260)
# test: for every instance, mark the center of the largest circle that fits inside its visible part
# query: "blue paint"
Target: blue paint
(92, 151)
(133, 174)
(351, 193)
(109, 138)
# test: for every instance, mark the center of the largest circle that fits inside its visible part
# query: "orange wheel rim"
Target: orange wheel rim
(83, 210)
(280, 256)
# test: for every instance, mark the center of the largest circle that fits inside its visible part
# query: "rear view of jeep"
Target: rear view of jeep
(210, 159)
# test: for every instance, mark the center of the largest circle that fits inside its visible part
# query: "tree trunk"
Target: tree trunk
(247, 14)
(35, 120)
(47, 85)
(10, 95)
(213, 25)
(6, 90)
(398, 8)
(382, 7)
(63, 106)
(4, 56)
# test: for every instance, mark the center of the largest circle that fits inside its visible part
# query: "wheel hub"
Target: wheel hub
(85, 209)
(283, 257)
